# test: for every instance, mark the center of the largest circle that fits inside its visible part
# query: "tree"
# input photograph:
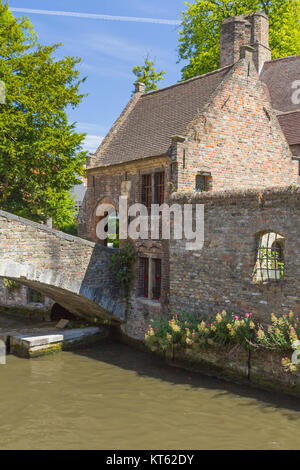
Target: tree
(147, 74)
(40, 152)
(200, 30)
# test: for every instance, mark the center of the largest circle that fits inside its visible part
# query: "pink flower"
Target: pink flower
(236, 317)
(247, 315)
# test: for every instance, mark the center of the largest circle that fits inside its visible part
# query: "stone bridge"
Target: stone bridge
(74, 272)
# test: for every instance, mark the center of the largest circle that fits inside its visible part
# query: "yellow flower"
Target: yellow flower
(174, 326)
(293, 335)
(169, 337)
(189, 341)
(224, 313)
(273, 318)
(213, 328)
(291, 315)
(219, 318)
(201, 326)
(228, 326)
(232, 332)
(260, 334)
(252, 325)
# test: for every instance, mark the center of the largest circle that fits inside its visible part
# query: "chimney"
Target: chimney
(235, 32)
(238, 31)
(139, 87)
(260, 38)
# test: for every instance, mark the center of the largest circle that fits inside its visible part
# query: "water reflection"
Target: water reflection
(114, 397)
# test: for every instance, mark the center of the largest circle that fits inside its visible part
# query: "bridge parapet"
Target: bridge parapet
(74, 272)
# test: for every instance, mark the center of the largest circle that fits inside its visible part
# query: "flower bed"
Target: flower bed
(232, 346)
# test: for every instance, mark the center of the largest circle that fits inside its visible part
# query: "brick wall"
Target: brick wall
(74, 272)
(220, 276)
(237, 139)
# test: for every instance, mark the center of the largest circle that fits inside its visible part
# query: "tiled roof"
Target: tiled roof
(290, 124)
(279, 76)
(156, 117)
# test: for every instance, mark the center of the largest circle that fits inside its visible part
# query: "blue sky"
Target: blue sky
(109, 51)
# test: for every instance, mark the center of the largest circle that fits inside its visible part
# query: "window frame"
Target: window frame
(150, 277)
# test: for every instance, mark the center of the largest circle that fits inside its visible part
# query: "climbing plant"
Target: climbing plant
(123, 267)
(10, 284)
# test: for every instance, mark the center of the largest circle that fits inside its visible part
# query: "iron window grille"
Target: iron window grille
(270, 258)
(202, 183)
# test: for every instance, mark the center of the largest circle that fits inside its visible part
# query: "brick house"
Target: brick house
(236, 128)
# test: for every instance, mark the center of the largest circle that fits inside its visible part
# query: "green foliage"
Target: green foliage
(147, 74)
(269, 259)
(114, 237)
(200, 30)
(123, 267)
(10, 284)
(71, 229)
(40, 152)
(186, 331)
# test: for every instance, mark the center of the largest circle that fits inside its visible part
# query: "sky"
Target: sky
(109, 48)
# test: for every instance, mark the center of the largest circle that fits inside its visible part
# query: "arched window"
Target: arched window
(270, 257)
(107, 209)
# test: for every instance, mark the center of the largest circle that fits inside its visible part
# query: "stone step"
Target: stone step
(29, 345)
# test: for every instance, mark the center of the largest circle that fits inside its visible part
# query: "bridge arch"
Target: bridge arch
(74, 272)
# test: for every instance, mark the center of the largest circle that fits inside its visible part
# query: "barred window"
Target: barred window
(270, 264)
(35, 297)
(203, 182)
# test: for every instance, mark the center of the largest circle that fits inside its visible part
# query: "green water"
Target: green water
(113, 397)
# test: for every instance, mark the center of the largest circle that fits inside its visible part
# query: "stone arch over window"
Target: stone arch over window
(270, 265)
(111, 209)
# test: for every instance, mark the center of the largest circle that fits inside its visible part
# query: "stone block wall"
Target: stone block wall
(75, 273)
(221, 275)
(18, 297)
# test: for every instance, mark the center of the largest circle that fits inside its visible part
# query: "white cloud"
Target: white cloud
(92, 142)
(96, 17)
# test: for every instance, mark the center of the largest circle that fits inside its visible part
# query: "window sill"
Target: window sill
(149, 302)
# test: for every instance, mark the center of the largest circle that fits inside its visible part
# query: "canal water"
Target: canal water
(114, 397)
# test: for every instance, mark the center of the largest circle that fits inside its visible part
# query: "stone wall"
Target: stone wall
(19, 297)
(74, 272)
(106, 185)
(221, 275)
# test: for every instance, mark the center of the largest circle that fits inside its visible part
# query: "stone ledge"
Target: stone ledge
(57, 233)
(261, 194)
(149, 303)
(28, 345)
